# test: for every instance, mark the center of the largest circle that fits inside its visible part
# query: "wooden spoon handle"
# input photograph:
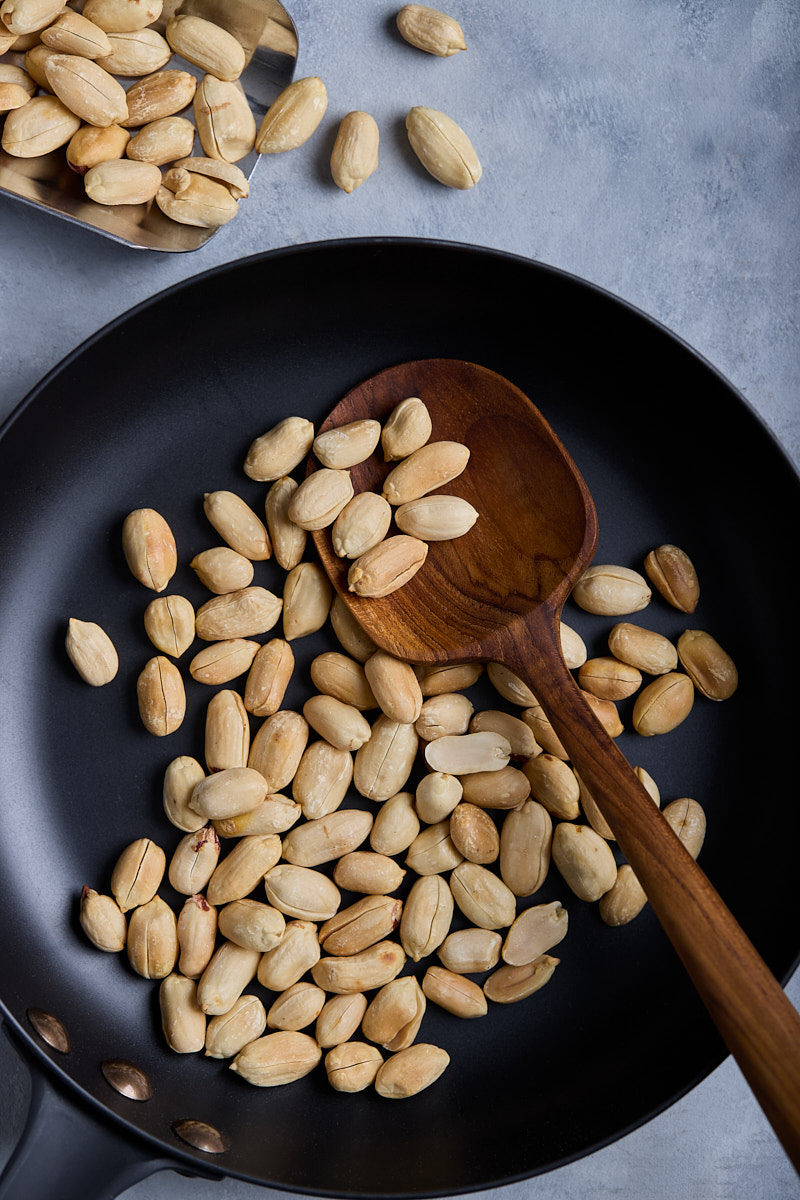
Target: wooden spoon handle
(747, 1004)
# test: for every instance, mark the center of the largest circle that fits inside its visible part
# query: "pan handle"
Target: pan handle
(66, 1151)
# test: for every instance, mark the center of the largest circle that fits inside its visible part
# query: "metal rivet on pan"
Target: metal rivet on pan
(127, 1079)
(49, 1029)
(201, 1136)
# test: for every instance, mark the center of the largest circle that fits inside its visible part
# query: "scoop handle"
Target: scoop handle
(758, 1023)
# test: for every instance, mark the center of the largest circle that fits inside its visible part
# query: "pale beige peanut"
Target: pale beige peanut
(343, 677)
(278, 746)
(297, 1007)
(320, 498)
(288, 539)
(431, 30)
(227, 732)
(518, 735)
(584, 860)
(274, 454)
(268, 678)
(225, 123)
(443, 148)
(352, 638)
(169, 624)
(362, 972)
(86, 89)
(688, 820)
(91, 145)
(407, 428)
(9, 73)
(435, 681)
(161, 696)
(347, 445)
(396, 825)
(197, 936)
(223, 172)
(543, 731)
(322, 779)
(468, 753)
(606, 712)
(352, 1066)
(608, 678)
(624, 900)
(237, 524)
(183, 1022)
(195, 200)
(394, 1014)
(244, 613)
(274, 814)
(29, 16)
(136, 52)
(117, 16)
(474, 834)
(436, 518)
(222, 569)
(340, 1018)
(386, 567)
(243, 869)
(470, 951)
(162, 142)
(369, 872)
(507, 788)
(452, 992)
(384, 762)
(91, 652)
(395, 687)
(534, 931)
(483, 898)
(609, 590)
(555, 785)
(432, 851)
(307, 596)
(446, 714)
(206, 45)
(323, 839)
(436, 796)
(710, 668)
(223, 661)
(152, 943)
(674, 576)
(301, 892)
(362, 524)
(122, 181)
(427, 469)
(525, 848)
(508, 984)
(509, 685)
(230, 1032)
(426, 918)
(410, 1071)
(340, 724)
(180, 778)
(663, 704)
(287, 963)
(277, 1058)
(360, 925)
(573, 647)
(149, 547)
(194, 860)
(228, 973)
(102, 920)
(293, 116)
(159, 94)
(227, 792)
(355, 153)
(645, 649)
(72, 33)
(252, 924)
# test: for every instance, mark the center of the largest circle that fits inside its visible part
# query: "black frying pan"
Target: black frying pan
(160, 407)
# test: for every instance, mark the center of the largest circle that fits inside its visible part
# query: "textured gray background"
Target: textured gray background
(647, 145)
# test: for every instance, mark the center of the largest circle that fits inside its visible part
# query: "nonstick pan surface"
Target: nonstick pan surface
(161, 407)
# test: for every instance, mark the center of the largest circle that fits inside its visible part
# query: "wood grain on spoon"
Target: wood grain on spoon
(496, 594)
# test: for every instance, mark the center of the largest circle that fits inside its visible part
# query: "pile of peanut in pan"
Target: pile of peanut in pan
(345, 863)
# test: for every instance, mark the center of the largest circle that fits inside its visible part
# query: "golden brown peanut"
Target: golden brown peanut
(525, 848)
(293, 116)
(430, 30)
(195, 200)
(427, 469)
(251, 924)
(86, 89)
(454, 993)
(482, 896)
(301, 892)
(136, 52)
(193, 861)
(349, 633)
(362, 972)
(663, 704)
(220, 662)
(395, 687)
(469, 951)
(276, 453)
(352, 1066)
(518, 735)
(206, 45)
(277, 748)
(443, 148)
(432, 850)
(228, 973)
(268, 678)
(369, 872)
(436, 518)
(29, 16)
(444, 715)
(322, 779)
(180, 779)
(411, 1071)
(395, 826)
(474, 834)
(584, 860)
(197, 935)
(225, 123)
(227, 173)
(122, 181)
(387, 566)
(645, 649)
(222, 569)
(509, 984)
(468, 753)
(277, 1058)
(297, 1007)
(435, 681)
(340, 1018)
(608, 678)
(427, 916)
(355, 153)
(342, 725)
(611, 590)
(510, 686)
(347, 445)
(169, 624)
(543, 731)
(117, 16)
(149, 548)
(625, 900)
(183, 1022)
(507, 788)
(230, 1032)
(240, 872)
(324, 839)
(362, 524)
(384, 762)
(673, 574)
(73, 33)
(554, 784)
(160, 94)
(307, 596)
(91, 145)
(244, 613)
(320, 498)
(103, 921)
(227, 733)
(152, 943)
(161, 696)
(407, 429)
(91, 652)
(606, 712)
(273, 814)
(287, 963)
(395, 1013)
(534, 931)
(573, 647)
(237, 524)
(228, 792)
(360, 925)
(342, 677)
(436, 797)
(688, 820)
(711, 670)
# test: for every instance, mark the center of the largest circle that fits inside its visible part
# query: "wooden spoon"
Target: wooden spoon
(496, 595)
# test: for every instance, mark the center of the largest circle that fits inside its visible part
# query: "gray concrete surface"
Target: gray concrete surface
(647, 145)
